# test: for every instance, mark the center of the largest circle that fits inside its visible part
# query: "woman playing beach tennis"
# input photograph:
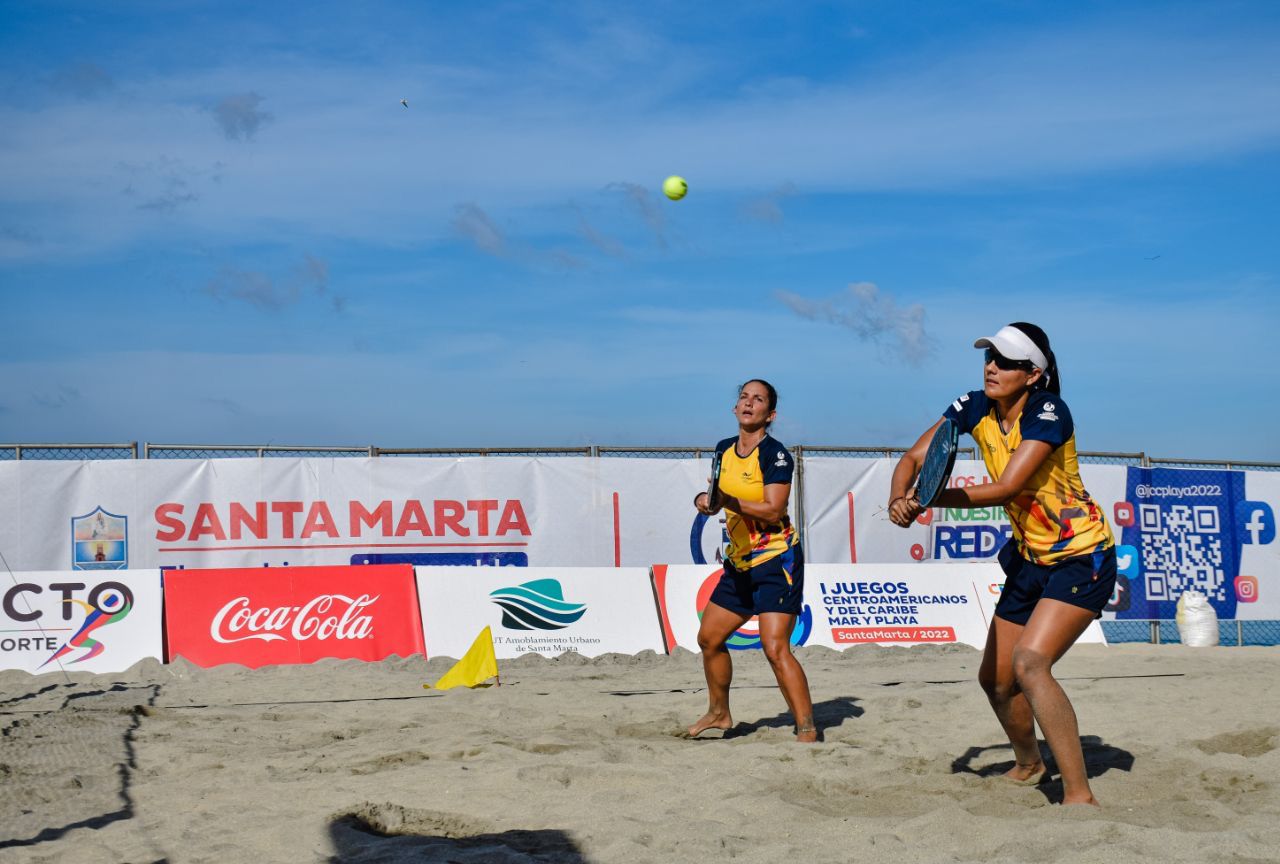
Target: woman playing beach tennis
(763, 564)
(1060, 564)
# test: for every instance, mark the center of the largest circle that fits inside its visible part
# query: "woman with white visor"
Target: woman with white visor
(1060, 562)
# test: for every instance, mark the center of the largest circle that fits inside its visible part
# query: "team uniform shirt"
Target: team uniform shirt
(1053, 518)
(751, 541)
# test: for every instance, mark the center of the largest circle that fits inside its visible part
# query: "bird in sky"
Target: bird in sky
(404, 102)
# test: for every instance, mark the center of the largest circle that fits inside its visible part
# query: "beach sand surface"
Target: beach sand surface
(583, 760)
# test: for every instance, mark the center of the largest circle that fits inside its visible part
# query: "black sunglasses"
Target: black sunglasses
(991, 355)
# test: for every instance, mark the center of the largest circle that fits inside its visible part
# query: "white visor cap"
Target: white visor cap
(1016, 345)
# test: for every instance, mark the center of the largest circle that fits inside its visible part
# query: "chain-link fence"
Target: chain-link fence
(1137, 460)
(462, 453)
(864, 452)
(130, 450)
(1235, 632)
(11, 452)
(234, 451)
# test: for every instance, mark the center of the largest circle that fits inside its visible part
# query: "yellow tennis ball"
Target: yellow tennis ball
(674, 187)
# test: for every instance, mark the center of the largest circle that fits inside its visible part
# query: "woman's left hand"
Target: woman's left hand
(904, 510)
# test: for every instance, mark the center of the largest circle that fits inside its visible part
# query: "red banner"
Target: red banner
(262, 616)
(850, 635)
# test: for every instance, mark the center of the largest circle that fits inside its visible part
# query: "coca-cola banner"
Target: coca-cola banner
(74, 620)
(854, 604)
(547, 610)
(264, 616)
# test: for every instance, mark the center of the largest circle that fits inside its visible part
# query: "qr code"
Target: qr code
(1182, 550)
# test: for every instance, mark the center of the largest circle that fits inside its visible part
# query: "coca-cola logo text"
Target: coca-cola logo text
(327, 616)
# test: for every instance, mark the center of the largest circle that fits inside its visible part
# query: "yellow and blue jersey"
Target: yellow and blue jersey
(751, 541)
(1053, 517)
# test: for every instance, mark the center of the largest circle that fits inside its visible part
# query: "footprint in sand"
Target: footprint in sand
(1248, 742)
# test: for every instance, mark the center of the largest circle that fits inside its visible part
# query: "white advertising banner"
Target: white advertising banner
(564, 511)
(1257, 587)
(587, 610)
(88, 621)
(855, 604)
(844, 505)
(498, 511)
(1209, 529)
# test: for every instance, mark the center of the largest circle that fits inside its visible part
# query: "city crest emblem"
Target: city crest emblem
(99, 541)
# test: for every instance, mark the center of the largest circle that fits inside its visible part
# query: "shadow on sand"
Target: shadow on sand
(1099, 758)
(388, 832)
(826, 715)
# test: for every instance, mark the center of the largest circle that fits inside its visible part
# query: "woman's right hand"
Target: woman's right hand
(700, 504)
(904, 509)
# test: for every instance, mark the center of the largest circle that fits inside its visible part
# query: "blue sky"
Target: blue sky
(218, 224)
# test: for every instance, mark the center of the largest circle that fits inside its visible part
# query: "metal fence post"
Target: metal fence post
(1239, 633)
(1155, 632)
(801, 527)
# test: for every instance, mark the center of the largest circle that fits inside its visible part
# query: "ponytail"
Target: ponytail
(1050, 378)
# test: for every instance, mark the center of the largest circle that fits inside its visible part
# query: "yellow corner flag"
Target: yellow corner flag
(478, 665)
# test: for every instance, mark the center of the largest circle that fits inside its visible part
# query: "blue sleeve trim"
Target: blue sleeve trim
(1047, 418)
(776, 463)
(968, 410)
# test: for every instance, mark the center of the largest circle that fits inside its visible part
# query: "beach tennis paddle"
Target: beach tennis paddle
(713, 490)
(939, 459)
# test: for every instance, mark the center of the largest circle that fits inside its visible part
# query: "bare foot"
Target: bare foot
(807, 734)
(1087, 798)
(1026, 775)
(711, 720)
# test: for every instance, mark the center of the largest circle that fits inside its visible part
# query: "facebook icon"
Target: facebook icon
(1255, 523)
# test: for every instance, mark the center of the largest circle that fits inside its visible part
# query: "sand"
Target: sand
(581, 760)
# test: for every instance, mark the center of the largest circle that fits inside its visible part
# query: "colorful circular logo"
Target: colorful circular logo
(700, 521)
(747, 637)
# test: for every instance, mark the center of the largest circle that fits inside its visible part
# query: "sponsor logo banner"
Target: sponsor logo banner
(1193, 530)
(854, 604)
(899, 603)
(547, 610)
(683, 592)
(79, 621)
(265, 616)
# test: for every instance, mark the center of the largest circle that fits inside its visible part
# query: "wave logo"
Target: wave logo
(113, 604)
(536, 605)
(747, 637)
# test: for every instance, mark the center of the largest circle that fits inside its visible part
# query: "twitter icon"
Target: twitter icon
(1127, 561)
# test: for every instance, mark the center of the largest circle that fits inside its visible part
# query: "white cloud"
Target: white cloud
(873, 315)
(343, 157)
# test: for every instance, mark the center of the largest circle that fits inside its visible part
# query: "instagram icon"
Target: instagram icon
(1247, 589)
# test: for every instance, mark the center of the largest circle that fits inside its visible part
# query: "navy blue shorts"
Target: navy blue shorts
(777, 585)
(1085, 581)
